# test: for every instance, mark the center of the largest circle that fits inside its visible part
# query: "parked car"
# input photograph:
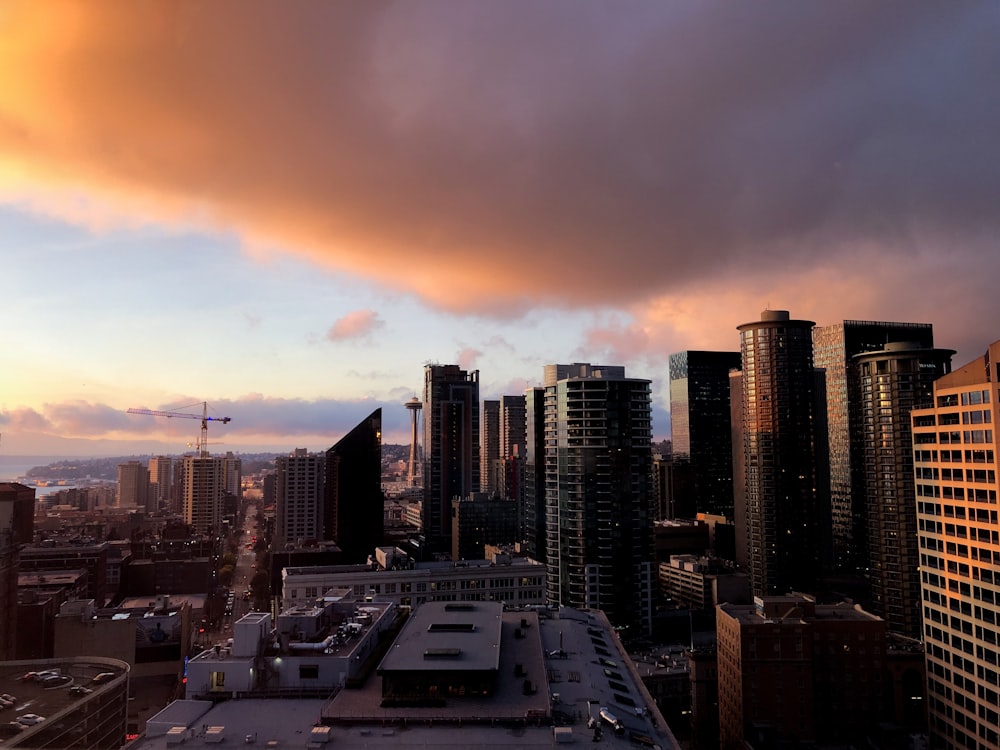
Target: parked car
(4, 703)
(80, 690)
(30, 719)
(103, 677)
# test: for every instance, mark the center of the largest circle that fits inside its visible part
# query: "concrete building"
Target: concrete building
(154, 638)
(309, 650)
(232, 474)
(598, 492)
(300, 484)
(782, 517)
(17, 519)
(701, 431)
(701, 583)
(489, 444)
(161, 484)
(451, 448)
(479, 520)
(955, 463)
(834, 350)
(82, 702)
(456, 675)
(893, 382)
(203, 483)
(393, 576)
(133, 486)
(793, 671)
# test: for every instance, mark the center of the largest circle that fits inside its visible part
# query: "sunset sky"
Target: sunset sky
(287, 210)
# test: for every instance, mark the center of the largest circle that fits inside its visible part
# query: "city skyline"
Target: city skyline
(289, 216)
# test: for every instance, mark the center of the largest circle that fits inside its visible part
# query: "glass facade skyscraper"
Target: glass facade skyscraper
(834, 347)
(782, 518)
(451, 450)
(701, 427)
(892, 383)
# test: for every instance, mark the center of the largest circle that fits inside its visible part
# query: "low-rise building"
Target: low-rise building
(393, 576)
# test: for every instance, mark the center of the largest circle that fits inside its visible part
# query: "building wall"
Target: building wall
(517, 584)
(300, 481)
(955, 463)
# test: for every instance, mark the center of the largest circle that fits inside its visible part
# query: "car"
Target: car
(97, 679)
(4, 703)
(80, 690)
(8, 697)
(30, 719)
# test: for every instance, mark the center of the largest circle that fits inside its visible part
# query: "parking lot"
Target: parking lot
(30, 697)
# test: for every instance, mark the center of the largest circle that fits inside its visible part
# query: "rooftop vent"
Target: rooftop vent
(451, 627)
(442, 653)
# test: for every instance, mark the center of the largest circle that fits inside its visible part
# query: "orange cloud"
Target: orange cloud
(356, 324)
(493, 157)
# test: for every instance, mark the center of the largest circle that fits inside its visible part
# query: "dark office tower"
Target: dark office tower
(700, 430)
(17, 528)
(599, 492)
(833, 350)
(354, 513)
(892, 383)
(778, 399)
(533, 512)
(451, 449)
(489, 446)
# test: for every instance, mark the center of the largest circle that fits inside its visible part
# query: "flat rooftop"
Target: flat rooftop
(448, 636)
(572, 659)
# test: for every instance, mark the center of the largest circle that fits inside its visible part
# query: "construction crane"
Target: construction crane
(202, 444)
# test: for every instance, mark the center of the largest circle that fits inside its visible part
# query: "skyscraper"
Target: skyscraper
(299, 492)
(701, 429)
(203, 485)
(834, 349)
(955, 452)
(451, 447)
(598, 491)
(777, 430)
(892, 382)
(354, 501)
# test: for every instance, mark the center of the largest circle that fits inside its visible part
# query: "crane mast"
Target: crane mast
(205, 419)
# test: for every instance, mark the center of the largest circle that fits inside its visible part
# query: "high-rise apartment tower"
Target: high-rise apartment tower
(598, 492)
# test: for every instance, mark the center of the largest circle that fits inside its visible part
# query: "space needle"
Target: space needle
(414, 405)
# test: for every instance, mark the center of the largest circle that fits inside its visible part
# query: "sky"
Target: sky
(288, 210)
